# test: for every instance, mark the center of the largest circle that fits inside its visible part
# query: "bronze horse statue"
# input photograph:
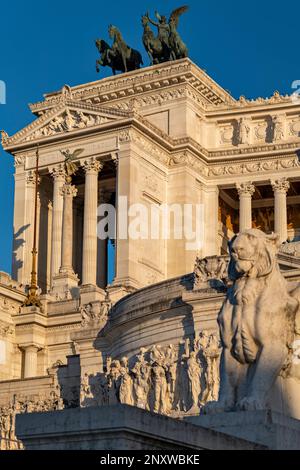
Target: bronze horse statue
(119, 56)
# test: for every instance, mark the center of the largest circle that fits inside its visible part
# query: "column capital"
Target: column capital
(246, 188)
(280, 185)
(115, 158)
(69, 190)
(30, 178)
(92, 165)
(30, 347)
(58, 171)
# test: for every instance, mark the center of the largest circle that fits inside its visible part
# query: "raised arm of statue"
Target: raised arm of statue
(151, 21)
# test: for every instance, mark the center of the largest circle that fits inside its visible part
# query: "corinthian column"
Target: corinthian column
(280, 188)
(29, 215)
(89, 255)
(246, 191)
(58, 174)
(68, 191)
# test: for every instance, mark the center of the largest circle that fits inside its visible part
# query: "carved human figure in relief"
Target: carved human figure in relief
(85, 390)
(256, 323)
(278, 122)
(126, 385)
(211, 353)
(194, 372)
(142, 378)
(70, 121)
(113, 380)
(244, 131)
(171, 372)
(160, 388)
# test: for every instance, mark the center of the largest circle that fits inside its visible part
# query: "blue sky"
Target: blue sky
(249, 48)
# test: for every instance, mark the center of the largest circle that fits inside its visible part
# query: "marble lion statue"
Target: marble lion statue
(257, 323)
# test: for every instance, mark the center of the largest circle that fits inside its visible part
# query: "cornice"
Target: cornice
(137, 82)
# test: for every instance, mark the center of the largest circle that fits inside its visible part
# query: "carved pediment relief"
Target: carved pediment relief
(67, 121)
(63, 119)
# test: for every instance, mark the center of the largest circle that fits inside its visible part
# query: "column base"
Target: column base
(91, 293)
(65, 285)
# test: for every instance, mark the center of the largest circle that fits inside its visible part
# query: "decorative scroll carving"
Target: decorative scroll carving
(170, 380)
(292, 249)
(6, 329)
(95, 313)
(208, 269)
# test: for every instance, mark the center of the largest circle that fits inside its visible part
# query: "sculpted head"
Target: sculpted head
(253, 253)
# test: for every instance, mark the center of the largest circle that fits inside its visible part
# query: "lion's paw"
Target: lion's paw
(250, 404)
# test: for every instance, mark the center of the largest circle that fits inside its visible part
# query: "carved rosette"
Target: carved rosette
(91, 165)
(281, 185)
(245, 189)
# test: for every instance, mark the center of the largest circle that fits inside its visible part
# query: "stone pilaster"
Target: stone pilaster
(246, 191)
(280, 189)
(89, 255)
(58, 174)
(210, 199)
(30, 361)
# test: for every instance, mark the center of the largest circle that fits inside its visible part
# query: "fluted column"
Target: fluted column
(115, 159)
(280, 188)
(58, 174)
(69, 192)
(30, 362)
(29, 215)
(246, 191)
(89, 255)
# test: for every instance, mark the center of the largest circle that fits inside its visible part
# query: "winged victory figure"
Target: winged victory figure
(70, 166)
(168, 35)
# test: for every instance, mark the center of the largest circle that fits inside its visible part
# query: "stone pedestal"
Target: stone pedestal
(118, 427)
(65, 286)
(91, 293)
(266, 427)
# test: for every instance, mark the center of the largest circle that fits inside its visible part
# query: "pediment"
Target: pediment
(66, 118)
